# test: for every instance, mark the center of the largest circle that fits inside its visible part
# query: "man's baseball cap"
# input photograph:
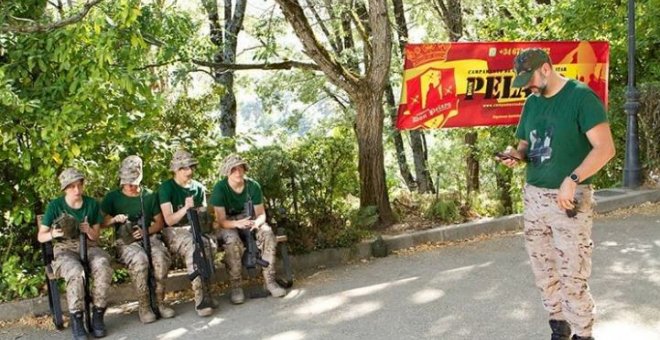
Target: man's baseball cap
(526, 62)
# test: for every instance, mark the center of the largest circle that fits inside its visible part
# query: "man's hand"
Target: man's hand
(121, 218)
(566, 194)
(512, 160)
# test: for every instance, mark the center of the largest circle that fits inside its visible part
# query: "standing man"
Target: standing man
(66, 217)
(177, 195)
(565, 139)
(228, 200)
(124, 208)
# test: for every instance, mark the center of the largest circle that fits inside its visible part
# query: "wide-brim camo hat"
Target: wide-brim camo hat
(526, 62)
(231, 162)
(68, 176)
(130, 171)
(182, 159)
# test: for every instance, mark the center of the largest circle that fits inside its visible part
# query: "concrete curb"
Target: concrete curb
(607, 200)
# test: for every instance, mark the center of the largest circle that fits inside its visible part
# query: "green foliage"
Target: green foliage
(120, 275)
(308, 185)
(83, 96)
(444, 210)
(17, 281)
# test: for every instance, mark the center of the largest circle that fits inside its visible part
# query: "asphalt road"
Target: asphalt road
(477, 290)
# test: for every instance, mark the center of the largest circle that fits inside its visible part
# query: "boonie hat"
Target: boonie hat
(68, 176)
(231, 162)
(182, 159)
(130, 171)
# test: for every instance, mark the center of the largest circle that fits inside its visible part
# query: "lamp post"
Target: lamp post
(631, 168)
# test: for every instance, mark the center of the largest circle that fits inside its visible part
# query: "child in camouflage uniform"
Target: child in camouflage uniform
(176, 196)
(228, 200)
(65, 217)
(123, 208)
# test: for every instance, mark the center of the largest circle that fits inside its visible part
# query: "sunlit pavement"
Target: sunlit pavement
(479, 290)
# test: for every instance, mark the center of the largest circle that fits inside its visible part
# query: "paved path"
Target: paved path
(478, 290)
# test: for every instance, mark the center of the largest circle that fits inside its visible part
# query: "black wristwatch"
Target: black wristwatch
(575, 178)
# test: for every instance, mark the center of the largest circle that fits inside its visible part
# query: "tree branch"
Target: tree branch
(335, 72)
(284, 65)
(324, 29)
(36, 27)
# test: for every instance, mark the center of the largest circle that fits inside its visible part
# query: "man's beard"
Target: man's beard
(540, 90)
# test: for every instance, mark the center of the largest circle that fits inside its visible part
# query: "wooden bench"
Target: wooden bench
(54, 300)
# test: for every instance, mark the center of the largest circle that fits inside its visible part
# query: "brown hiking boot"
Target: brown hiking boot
(199, 296)
(237, 297)
(165, 311)
(275, 289)
(144, 310)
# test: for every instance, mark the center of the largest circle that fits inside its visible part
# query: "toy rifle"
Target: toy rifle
(252, 254)
(146, 244)
(84, 260)
(201, 262)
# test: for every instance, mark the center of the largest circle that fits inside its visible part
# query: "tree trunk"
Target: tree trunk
(227, 104)
(418, 145)
(472, 163)
(226, 41)
(503, 179)
(398, 142)
(371, 165)
(423, 175)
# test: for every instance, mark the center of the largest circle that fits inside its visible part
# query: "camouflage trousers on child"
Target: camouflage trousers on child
(135, 258)
(559, 249)
(179, 240)
(67, 265)
(234, 248)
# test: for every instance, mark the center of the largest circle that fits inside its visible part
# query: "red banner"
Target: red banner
(470, 84)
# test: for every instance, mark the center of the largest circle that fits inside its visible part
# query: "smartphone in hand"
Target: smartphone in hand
(503, 156)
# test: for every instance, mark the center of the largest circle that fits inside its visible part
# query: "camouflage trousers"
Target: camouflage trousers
(66, 264)
(234, 248)
(559, 249)
(135, 258)
(179, 240)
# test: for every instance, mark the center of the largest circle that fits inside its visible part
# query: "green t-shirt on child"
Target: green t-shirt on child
(116, 202)
(89, 209)
(224, 196)
(175, 194)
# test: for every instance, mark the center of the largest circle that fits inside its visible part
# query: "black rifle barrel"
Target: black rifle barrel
(201, 262)
(146, 244)
(85, 263)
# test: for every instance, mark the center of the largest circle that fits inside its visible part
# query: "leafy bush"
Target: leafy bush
(444, 210)
(18, 279)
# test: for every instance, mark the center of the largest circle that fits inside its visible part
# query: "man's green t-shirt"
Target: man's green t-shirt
(224, 196)
(555, 129)
(58, 206)
(175, 194)
(116, 202)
